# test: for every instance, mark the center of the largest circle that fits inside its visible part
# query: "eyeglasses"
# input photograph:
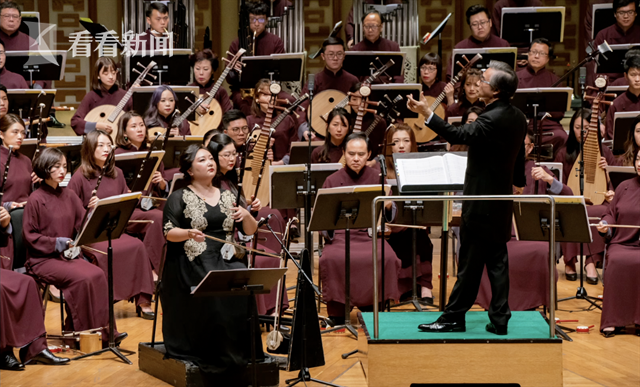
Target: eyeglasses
(479, 23)
(371, 27)
(231, 155)
(260, 20)
(335, 55)
(487, 82)
(625, 13)
(11, 16)
(429, 69)
(538, 53)
(244, 129)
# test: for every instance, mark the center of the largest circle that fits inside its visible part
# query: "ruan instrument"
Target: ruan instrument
(179, 118)
(616, 225)
(421, 131)
(5, 174)
(365, 91)
(111, 114)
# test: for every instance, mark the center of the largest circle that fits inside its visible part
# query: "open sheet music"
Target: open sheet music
(445, 170)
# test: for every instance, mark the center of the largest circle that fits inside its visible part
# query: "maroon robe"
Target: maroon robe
(18, 41)
(151, 233)
(527, 78)
(335, 154)
(381, 44)
(21, 314)
(349, 28)
(185, 128)
(11, 80)
(435, 90)
(401, 241)
(622, 81)
(285, 133)
(375, 133)
(496, 15)
(221, 95)
(621, 304)
(92, 100)
(613, 35)
(132, 277)
(332, 270)
(471, 42)
(588, 20)
(459, 108)
(328, 80)
(625, 102)
(52, 213)
(18, 188)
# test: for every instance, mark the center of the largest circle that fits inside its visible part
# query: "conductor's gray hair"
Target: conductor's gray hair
(504, 79)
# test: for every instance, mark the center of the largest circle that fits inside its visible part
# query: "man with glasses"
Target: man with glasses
(373, 41)
(234, 125)
(10, 79)
(10, 19)
(535, 74)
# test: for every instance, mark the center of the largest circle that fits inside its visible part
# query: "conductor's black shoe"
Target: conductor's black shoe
(496, 329)
(47, 358)
(592, 280)
(426, 300)
(442, 325)
(9, 362)
(571, 276)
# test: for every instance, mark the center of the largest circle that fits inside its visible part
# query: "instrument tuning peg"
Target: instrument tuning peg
(149, 82)
(225, 60)
(152, 76)
(140, 64)
(188, 100)
(136, 71)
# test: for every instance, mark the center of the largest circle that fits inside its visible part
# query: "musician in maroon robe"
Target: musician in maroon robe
(52, 217)
(468, 94)
(157, 16)
(628, 101)
(132, 137)
(373, 125)
(20, 177)
(4, 101)
(10, 79)
(479, 20)
(535, 75)
(624, 31)
(104, 91)
(430, 71)
(621, 303)
(161, 112)
(338, 129)
(373, 41)
(132, 276)
(332, 267)
(528, 260)
(204, 64)
(350, 27)
(588, 20)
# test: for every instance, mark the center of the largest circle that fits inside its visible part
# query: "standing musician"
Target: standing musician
(332, 77)
(628, 101)
(338, 129)
(632, 144)
(535, 74)
(621, 296)
(160, 112)
(52, 217)
(373, 41)
(332, 270)
(486, 226)
(567, 156)
(205, 64)
(158, 20)
(468, 95)
(132, 276)
(212, 332)
(104, 91)
(401, 139)
(9, 78)
(132, 137)
(4, 101)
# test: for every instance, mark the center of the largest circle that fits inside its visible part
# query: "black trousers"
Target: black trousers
(476, 251)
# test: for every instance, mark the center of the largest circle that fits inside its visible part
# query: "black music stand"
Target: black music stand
(22, 101)
(622, 125)
(393, 90)
(520, 25)
(97, 28)
(344, 208)
(107, 221)
(281, 67)
(602, 17)
(142, 96)
(619, 174)
(288, 182)
(37, 65)
(613, 62)
(175, 147)
(30, 24)
(130, 164)
(241, 282)
(507, 55)
(169, 70)
(531, 222)
(365, 63)
(617, 90)
(299, 152)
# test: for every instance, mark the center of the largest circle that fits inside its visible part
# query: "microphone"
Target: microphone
(312, 82)
(262, 221)
(383, 164)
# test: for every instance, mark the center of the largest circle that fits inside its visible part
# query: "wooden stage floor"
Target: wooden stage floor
(590, 360)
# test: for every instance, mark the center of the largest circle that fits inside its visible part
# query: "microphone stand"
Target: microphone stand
(308, 237)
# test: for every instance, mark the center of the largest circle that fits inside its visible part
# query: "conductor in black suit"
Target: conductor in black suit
(495, 166)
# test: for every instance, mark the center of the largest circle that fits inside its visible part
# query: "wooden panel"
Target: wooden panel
(58, 5)
(73, 65)
(68, 20)
(79, 82)
(62, 94)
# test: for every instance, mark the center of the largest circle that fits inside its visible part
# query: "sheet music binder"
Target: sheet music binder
(411, 179)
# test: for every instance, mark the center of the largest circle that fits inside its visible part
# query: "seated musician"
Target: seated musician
(535, 74)
(373, 41)
(373, 125)
(332, 77)
(632, 144)
(132, 273)
(234, 124)
(52, 217)
(104, 91)
(132, 137)
(332, 270)
(205, 64)
(10, 20)
(628, 101)
(265, 43)
(401, 139)
(528, 260)
(350, 26)
(568, 156)
(10, 79)
(338, 129)
(162, 112)
(623, 31)
(620, 306)
(468, 94)
(479, 20)
(430, 72)
(157, 16)
(4, 101)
